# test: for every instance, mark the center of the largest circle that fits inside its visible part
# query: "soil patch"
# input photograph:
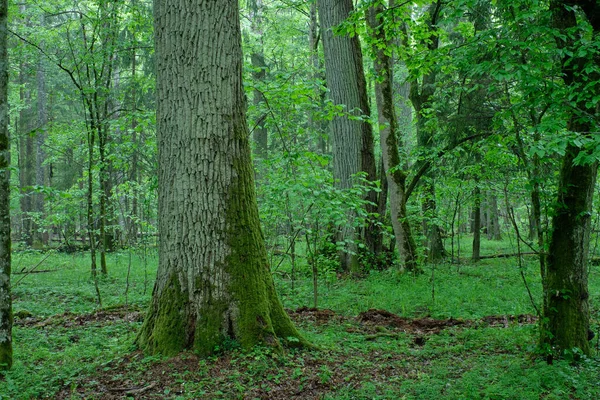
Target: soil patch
(69, 319)
(317, 315)
(375, 317)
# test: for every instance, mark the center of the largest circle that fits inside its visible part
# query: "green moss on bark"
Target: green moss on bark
(209, 328)
(165, 330)
(6, 355)
(261, 318)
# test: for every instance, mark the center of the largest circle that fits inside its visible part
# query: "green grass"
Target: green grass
(73, 355)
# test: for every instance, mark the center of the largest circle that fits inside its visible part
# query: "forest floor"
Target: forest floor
(456, 332)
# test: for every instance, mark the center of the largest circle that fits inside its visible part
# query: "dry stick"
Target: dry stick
(26, 273)
(133, 390)
(511, 216)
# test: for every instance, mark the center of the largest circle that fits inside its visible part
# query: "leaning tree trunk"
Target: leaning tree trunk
(352, 134)
(565, 322)
(6, 317)
(213, 282)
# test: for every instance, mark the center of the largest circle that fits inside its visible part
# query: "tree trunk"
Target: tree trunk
(352, 138)
(492, 220)
(213, 282)
(566, 311)
(132, 219)
(259, 73)
(317, 124)
(565, 322)
(41, 171)
(388, 132)
(476, 225)
(26, 154)
(6, 316)
(421, 96)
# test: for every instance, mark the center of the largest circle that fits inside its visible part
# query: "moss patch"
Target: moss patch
(165, 329)
(6, 356)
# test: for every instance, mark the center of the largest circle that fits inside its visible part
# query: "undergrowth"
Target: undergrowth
(65, 347)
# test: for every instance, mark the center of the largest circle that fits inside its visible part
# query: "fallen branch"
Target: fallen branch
(133, 390)
(35, 272)
(508, 255)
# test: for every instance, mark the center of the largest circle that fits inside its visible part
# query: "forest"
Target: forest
(287, 199)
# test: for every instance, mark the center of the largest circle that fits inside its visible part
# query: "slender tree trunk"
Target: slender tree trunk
(352, 138)
(259, 73)
(133, 172)
(6, 316)
(26, 154)
(388, 131)
(476, 225)
(317, 124)
(493, 221)
(421, 96)
(213, 282)
(41, 175)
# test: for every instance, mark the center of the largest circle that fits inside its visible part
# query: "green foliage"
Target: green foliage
(77, 353)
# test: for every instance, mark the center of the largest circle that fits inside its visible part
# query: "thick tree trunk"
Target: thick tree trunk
(566, 306)
(6, 317)
(213, 282)
(388, 132)
(352, 138)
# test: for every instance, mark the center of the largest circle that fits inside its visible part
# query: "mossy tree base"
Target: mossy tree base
(213, 283)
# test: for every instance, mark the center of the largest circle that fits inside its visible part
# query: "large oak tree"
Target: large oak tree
(213, 282)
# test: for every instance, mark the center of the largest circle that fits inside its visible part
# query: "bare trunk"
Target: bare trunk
(352, 137)
(213, 282)
(41, 174)
(259, 74)
(6, 316)
(476, 225)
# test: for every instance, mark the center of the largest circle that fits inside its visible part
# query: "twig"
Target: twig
(33, 269)
(133, 390)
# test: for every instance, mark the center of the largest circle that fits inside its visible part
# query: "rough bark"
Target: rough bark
(6, 317)
(351, 133)
(213, 282)
(388, 132)
(565, 322)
